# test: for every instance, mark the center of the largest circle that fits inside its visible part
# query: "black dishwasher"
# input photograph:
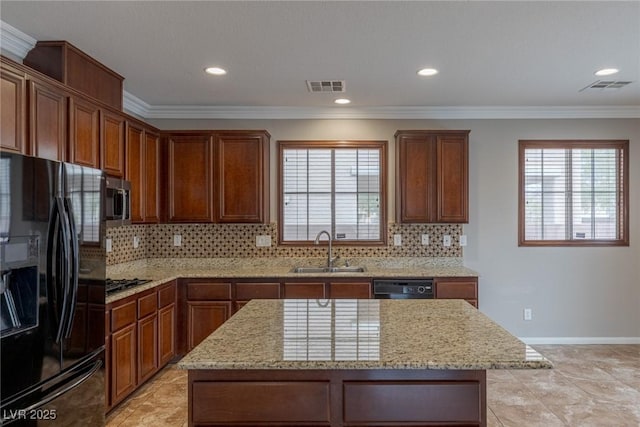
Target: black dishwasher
(403, 289)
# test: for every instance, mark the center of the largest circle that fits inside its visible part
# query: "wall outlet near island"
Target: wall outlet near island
(177, 240)
(397, 240)
(263, 241)
(446, 240)
(527, 314)
(425, 240)
(136, 242)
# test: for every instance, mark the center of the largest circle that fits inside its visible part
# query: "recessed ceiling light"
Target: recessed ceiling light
(427, 72)
(606, 71)
(342, 101)
(216, 71)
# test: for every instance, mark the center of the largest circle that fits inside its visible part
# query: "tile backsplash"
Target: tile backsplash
(239, 241)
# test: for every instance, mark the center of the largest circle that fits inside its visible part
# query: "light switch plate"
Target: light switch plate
(463, 240)
(263, 241)
(425, 239)
(136, 242)
(108, 244)
(446, 240)
(177, 240)
(397, 240)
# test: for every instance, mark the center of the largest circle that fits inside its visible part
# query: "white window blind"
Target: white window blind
(573, 192)
(83, 187)
(333, 189)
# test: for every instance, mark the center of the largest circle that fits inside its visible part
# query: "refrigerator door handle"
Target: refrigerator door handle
(75, 266)
(94, 368)
(66, 249)
(54, 276)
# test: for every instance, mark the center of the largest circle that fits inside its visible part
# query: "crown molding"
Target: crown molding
(440, 113)
(134, 105)
(14, 41)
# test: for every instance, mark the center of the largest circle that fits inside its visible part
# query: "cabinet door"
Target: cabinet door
(84, 133)
(452, 172)
(112, 143)
(304, 290)
(13, 110)
(151, 167)
(204, 317)
(107, 358)
(47, 121)
(190, 195)
(357, 290)
(415, 178)
(135, 172)
(242, 177)
(166, 334)
(123, 363)
(147, 347)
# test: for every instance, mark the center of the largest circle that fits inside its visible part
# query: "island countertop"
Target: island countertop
(361, 334)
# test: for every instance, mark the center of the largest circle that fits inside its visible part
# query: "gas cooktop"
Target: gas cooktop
(115, 285)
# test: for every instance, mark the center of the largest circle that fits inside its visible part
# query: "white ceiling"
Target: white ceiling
(490, 54)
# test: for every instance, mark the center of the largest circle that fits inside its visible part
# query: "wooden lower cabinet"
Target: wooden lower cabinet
(204, 317)
(458, 288)
(166, 334)
(304, 290)
(147, 347)
(123, 363)
(357, 290)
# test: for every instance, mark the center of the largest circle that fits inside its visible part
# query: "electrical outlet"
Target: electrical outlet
(446, 240)
(108, 244)
(425, 239)
(263, 241)
(136, 242)
(177, 240)
(463, 240)
(397, 240)
(527, 314)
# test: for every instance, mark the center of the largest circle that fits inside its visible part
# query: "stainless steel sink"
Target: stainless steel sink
(349, 269)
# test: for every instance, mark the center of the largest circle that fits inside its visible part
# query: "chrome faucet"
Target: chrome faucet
(330, 259)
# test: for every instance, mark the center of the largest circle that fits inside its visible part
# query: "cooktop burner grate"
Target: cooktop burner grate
(115, 285)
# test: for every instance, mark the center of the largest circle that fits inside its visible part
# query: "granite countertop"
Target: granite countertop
(361, 334)
(162, 270)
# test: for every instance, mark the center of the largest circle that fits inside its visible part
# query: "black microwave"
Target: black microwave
(118, 203)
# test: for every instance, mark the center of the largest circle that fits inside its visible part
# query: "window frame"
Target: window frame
(575, 144)
(335, 144)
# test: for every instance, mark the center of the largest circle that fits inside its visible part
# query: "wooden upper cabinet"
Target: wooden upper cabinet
(112, 147)
(432, 176)
(134, 170)
(190, 185)
(151, 187)
(84, 133)
(13, 110)
(47, 121)
(241, 168)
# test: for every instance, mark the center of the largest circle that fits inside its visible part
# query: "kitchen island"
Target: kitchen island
(350, 363)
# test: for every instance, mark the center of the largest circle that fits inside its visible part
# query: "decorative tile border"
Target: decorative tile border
(239, 241)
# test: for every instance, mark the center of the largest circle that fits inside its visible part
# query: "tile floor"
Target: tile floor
(591, 385)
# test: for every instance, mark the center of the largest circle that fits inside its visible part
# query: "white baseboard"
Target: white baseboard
(580, 340)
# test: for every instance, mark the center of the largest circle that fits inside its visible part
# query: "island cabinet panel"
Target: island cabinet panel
(432, 176)
(204, 317)
(112, 144)
(47, 121)
(304, 290)
(13, 110)
(357, 290)
(337, 398)
(84, 133)
(458, 288)
(241, 177)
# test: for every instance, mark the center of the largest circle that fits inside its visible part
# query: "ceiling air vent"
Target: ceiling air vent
(607, 84)
(330, 86)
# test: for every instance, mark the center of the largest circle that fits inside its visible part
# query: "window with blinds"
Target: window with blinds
(337, 187)
(574, 193)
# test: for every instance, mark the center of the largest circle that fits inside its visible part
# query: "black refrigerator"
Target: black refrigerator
(52, 293)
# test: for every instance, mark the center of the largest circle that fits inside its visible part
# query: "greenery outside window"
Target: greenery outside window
(574, 193)
(337, 186)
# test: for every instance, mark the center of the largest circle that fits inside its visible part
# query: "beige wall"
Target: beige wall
(584, 294)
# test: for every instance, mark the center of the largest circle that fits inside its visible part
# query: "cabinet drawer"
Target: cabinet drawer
(350, 290)
(147, 305)
(209, 291)
(167, 295)
(466, 290)
(248, 291)
(304, 290)
(123, 315)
